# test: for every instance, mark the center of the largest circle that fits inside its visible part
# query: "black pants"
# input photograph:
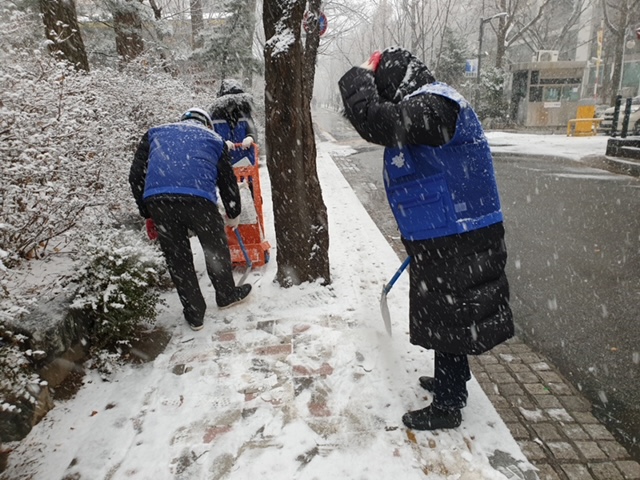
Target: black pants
(174, 216)
(451, 374)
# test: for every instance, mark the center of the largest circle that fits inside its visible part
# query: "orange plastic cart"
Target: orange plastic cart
(252, 234)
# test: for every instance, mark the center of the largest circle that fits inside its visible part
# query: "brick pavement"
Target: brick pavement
(549, 418)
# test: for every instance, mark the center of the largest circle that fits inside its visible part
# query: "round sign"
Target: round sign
(322, 23)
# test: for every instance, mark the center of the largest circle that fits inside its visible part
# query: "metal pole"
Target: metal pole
(477, 95)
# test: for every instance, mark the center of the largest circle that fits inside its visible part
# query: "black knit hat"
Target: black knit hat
(400, 73)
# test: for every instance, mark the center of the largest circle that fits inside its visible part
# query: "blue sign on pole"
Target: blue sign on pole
(323, 23)
(471, 67)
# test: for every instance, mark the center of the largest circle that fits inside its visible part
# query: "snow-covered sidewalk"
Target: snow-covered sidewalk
(299, 383)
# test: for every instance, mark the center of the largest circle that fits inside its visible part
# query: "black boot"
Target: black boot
(237, 296)
(428, 383)
(432, 418)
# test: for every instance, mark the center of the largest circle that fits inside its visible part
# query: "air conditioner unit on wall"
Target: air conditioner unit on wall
(546, 56)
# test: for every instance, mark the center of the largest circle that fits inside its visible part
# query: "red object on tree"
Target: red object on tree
(152, 231)
(638, 33)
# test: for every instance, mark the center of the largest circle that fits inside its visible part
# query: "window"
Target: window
(535, 94)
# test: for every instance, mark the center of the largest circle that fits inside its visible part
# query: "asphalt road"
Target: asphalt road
(573, 237)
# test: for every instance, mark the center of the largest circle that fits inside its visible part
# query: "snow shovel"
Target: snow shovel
(246, 257)
(384, 308)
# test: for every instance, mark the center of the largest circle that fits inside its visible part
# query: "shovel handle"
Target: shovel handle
(243, 248)
(404, 265)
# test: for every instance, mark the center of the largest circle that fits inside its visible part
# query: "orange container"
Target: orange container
(252, 234)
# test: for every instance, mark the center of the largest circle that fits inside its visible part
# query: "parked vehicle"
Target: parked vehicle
(634, 118)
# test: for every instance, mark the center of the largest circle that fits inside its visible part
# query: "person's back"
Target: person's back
(176, 171)
(232, 116)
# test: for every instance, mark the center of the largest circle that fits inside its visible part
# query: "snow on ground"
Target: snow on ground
(299, 383)
(558, 145)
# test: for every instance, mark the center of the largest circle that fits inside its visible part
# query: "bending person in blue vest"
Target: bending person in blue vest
(440, 183)
(173, 177)
(231, 114)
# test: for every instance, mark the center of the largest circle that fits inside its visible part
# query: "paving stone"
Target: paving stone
(530, 358)
(559, 389)
(598, 432)
(509, 358)
(614, 450)
(550, 377)
(540, 366)
(489, 388)
(574, 432)
(605, 471)
(503, 348)
(532, 450)
(487, 359)
(498, 401)
(536, 389)
(576, 472)
(520, 348)
(575, 403)
(547, 472)
(502, 378)
(584, 417)
(511, 389)
(521, 401)
(546, 432)
(519, 367)
(563, 451)
(630, 469)
(527, 377)
(507, 415)
(591, 451)
(274, 350)
(559, 414)
(482, 377)
(533, 416)
(518, 431)
(495, 368)
(547, 401)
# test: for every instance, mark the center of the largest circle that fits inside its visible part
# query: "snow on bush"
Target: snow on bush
(19, 384)
(116, 287)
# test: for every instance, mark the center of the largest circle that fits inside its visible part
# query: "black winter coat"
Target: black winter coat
(459, 294)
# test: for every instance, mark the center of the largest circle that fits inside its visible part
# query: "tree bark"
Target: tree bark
(300, 215)
(197, 24)
(62, 30)
(128, 27)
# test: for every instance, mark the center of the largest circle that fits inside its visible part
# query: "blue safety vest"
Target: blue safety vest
(235, 135)
(439, 191)
(183, 160)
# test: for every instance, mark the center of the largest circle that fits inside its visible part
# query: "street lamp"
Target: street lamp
(482, 22)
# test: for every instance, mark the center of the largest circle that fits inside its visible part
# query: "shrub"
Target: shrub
(19, 384)
(117, 288)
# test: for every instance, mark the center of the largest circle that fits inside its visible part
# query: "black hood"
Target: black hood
(400, 73)
(232, 103)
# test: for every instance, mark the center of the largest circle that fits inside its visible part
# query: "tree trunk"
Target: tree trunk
(128, 27)
(61, 28)
(312, 42)
(197, 24)
(300, 215)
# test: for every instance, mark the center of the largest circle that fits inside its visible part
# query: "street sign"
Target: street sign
(323, 23)
(638, 33)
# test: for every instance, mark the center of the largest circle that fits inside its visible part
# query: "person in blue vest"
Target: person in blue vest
(231, 113)
(173, 178)
(441, 186)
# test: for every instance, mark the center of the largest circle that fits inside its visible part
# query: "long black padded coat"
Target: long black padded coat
(459, 294)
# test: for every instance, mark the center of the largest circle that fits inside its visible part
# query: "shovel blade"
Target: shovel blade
(384, 309)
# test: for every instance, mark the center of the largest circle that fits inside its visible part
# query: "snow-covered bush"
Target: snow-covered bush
(117, 287)
(19, 384)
